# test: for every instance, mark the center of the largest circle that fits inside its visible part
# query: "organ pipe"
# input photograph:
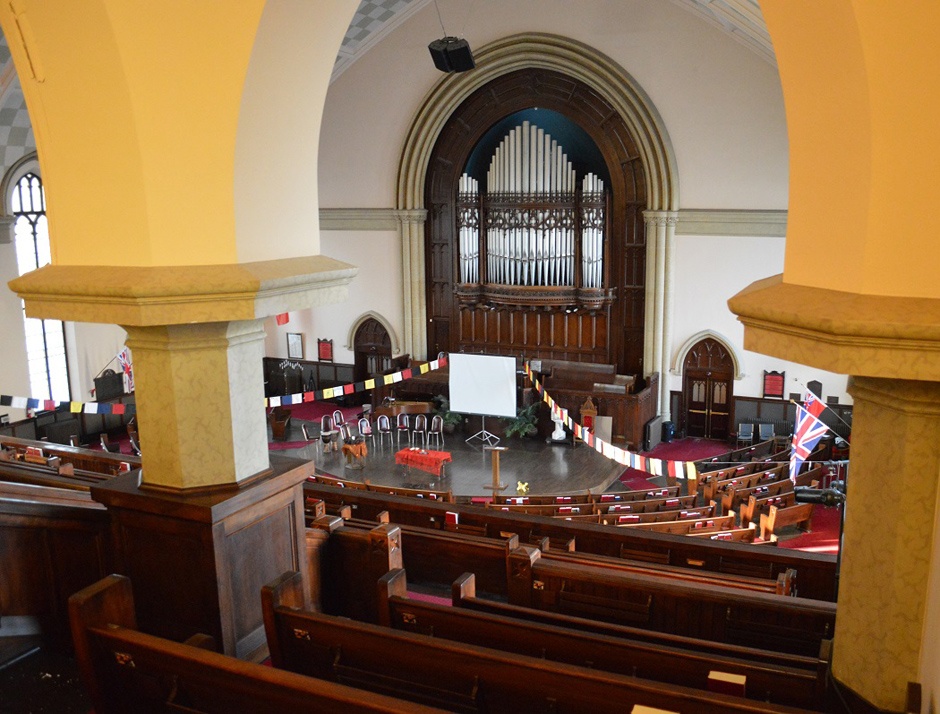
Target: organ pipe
(528, 221)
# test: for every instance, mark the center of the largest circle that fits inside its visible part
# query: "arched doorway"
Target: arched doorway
(707, 389)
(612, 334)
(372, 350)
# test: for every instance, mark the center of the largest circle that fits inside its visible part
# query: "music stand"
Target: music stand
(485, 436)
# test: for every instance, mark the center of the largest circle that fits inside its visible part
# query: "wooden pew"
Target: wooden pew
(755, 507)
(128, 671)
(784, 584)
(627, 518)
(80, 458)
(816, 571)
(338, 482)
(646, 505)
(600, 498)
(733, 498)
(463, 677)
(682, 526)
(794, 625)
(433, 557)
(53, 542)
(737, 535)
(800, 515)
(463, 595)
(428, 493)
(802, 686)
(713, 489)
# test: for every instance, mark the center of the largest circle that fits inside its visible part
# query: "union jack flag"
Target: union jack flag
(124, 358)
(813, 405)
(809, 430)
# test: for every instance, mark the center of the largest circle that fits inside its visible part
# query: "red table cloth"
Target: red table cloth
(430, 461)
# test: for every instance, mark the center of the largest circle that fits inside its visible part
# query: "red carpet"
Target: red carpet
(824, 538)
(688, 449)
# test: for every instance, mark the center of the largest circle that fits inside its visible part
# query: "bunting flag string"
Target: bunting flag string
(656, 467)
(315, 396)
(74, 407)
(332, 392)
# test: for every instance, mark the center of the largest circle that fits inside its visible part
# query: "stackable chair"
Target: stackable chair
(327, 433)
(403, 427)
(436, 431)
(365, 428)
(420, 429)
(384, 426)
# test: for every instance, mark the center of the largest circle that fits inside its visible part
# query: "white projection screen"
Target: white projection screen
(482, 384)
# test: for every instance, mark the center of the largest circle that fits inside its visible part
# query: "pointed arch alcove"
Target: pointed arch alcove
(537, 70)
(709, 368)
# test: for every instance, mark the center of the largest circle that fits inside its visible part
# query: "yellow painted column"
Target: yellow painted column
(891, 510)
(200, 420)
(860, 297)
(142, 112)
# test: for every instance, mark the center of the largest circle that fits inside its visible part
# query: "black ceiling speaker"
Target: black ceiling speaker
(451, 55)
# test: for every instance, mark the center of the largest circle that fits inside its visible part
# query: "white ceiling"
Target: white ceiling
(741, 19)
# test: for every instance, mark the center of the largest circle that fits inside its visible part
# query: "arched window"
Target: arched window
(45, 339)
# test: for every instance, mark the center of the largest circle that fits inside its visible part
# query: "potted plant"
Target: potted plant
(525, 423)
(450, 419)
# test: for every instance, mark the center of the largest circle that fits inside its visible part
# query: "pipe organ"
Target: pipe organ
(537, 236)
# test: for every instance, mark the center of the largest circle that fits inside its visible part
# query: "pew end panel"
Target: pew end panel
(285, 591)
(109, 601)
(129, 671)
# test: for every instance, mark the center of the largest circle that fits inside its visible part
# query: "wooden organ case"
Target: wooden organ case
(533, 255)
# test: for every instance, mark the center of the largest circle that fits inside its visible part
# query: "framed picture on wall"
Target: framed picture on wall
(773, 384)
(295, 345)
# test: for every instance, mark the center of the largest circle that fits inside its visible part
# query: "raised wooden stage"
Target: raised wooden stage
(546, 468)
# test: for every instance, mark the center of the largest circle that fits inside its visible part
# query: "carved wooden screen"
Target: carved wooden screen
(536, 237)
(585, 300)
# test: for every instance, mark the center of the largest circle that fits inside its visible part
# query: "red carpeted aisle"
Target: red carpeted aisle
(688, 449)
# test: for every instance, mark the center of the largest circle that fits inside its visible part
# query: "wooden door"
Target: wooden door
(372, 348)
(708, 380)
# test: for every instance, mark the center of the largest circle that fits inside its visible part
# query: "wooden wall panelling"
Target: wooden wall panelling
(198, 560)
(510, 93)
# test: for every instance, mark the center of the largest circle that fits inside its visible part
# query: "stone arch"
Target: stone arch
(372, 315)
(683, 351)
(524, 51)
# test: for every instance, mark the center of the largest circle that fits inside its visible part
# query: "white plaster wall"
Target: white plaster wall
(377, 287)
(721, 103)
(14, 374)
(709, 270)
(91, 348)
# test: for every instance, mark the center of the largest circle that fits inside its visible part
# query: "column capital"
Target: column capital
(412, 215)
(166, 295)
(851, 333)
(661, 218)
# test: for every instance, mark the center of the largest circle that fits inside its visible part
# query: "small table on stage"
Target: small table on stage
(430, 461)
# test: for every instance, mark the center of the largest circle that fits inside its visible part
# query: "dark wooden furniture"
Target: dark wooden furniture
(199, 559)
(462, 677)
(708, 611)
(395, 408)
(53, 542)
(630, 404)
(128, 671)
(816, 571)
(801, 682)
